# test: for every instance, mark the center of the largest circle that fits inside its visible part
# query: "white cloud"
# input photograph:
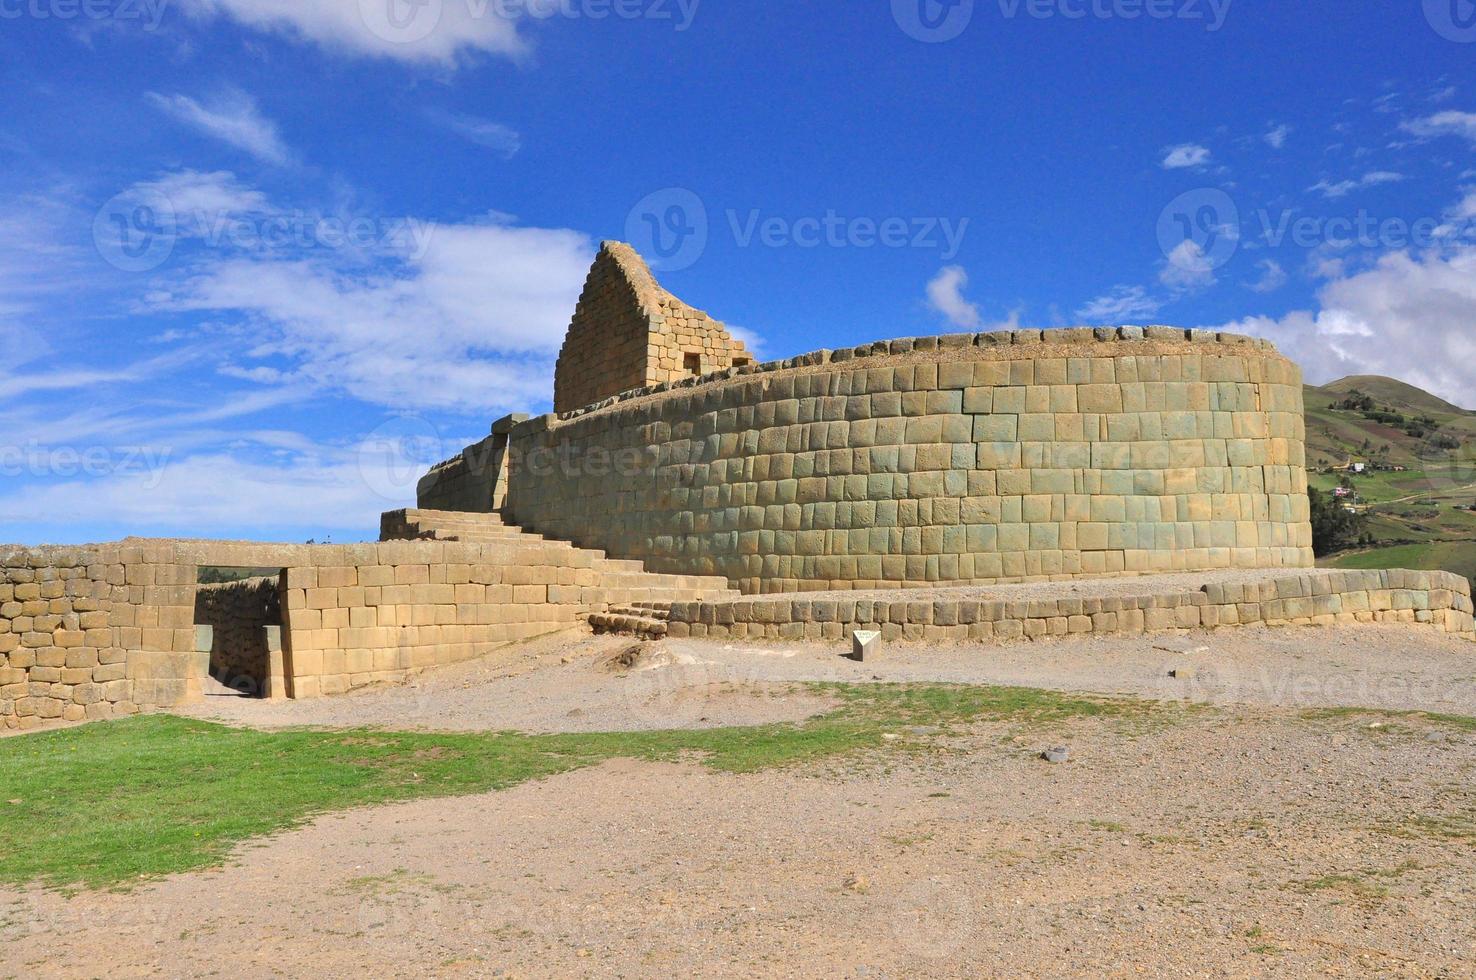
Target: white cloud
(1123, 305)
(502, 140)
(1273, 277)
(470, 325)
(1184, 156)
(1346, 187)
(231, 117)
(190, 192)
(1466, 210)
(945, 295)
(217, 493)
(1187, 268)
(1450, 123)
(756, 343)
(1408, 317)
(1276, 136)
(432, 33)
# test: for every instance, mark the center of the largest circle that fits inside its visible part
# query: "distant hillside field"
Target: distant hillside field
(1420, 456)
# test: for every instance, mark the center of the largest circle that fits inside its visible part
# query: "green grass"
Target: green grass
(1450, 556)
(110, 804)
(1384, 716)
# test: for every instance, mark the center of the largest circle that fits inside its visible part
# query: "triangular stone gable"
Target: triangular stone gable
(628, 332)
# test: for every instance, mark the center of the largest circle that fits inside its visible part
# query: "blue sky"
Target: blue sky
(262, 260)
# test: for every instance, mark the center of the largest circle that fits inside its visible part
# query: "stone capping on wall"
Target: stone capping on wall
(912, 345)
(1151, 604)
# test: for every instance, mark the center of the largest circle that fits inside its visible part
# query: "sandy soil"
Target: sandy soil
(567, 683)
(1254, 839)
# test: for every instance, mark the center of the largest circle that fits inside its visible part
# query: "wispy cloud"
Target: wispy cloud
(434, 33)
(1343, 188)
(502, 140)
(231, 117)
(1277, 135)
(1123, 304)
(1185, 156)
(1187, 268)
(945, 296)
(1272, 277)
(1450, 123)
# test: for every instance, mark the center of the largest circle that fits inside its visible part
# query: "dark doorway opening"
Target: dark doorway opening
(242, 611)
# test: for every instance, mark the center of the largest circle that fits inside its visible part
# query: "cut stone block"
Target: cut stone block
(865, 644)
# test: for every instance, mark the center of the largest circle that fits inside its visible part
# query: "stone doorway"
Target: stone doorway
(238, 629)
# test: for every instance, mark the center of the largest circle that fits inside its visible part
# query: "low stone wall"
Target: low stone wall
(108, 629)
(1316, 597)
(475, 480)
(971, 458)
(58, 656)
(238, 614)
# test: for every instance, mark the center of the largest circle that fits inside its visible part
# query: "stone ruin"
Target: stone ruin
(929, 488)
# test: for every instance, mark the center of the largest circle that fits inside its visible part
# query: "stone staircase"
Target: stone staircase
(627, 600)
(646, 620)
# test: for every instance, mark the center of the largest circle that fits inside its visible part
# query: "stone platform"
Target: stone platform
(1147, 604)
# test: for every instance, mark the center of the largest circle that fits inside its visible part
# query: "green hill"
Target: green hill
(1373, 419)
(1392, 392)
(1420, 456)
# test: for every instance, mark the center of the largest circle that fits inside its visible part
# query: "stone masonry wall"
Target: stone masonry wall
(475, 480)
(1315, 597)
(238, 614)
(967, 458)
(628, 332)
(58, 657)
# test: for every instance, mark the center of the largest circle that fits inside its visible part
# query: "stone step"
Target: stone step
(645, 627)
(455, 517)
(642, 594)
(212, 688)
(643, 610)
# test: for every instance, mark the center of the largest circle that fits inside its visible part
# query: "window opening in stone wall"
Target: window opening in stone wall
(741, 362)
(693, 364)
(238, 629)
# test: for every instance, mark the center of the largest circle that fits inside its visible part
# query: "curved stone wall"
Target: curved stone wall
(961, 459)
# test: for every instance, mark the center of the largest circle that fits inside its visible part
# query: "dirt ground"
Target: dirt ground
(1255, 838)
(565, 682)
